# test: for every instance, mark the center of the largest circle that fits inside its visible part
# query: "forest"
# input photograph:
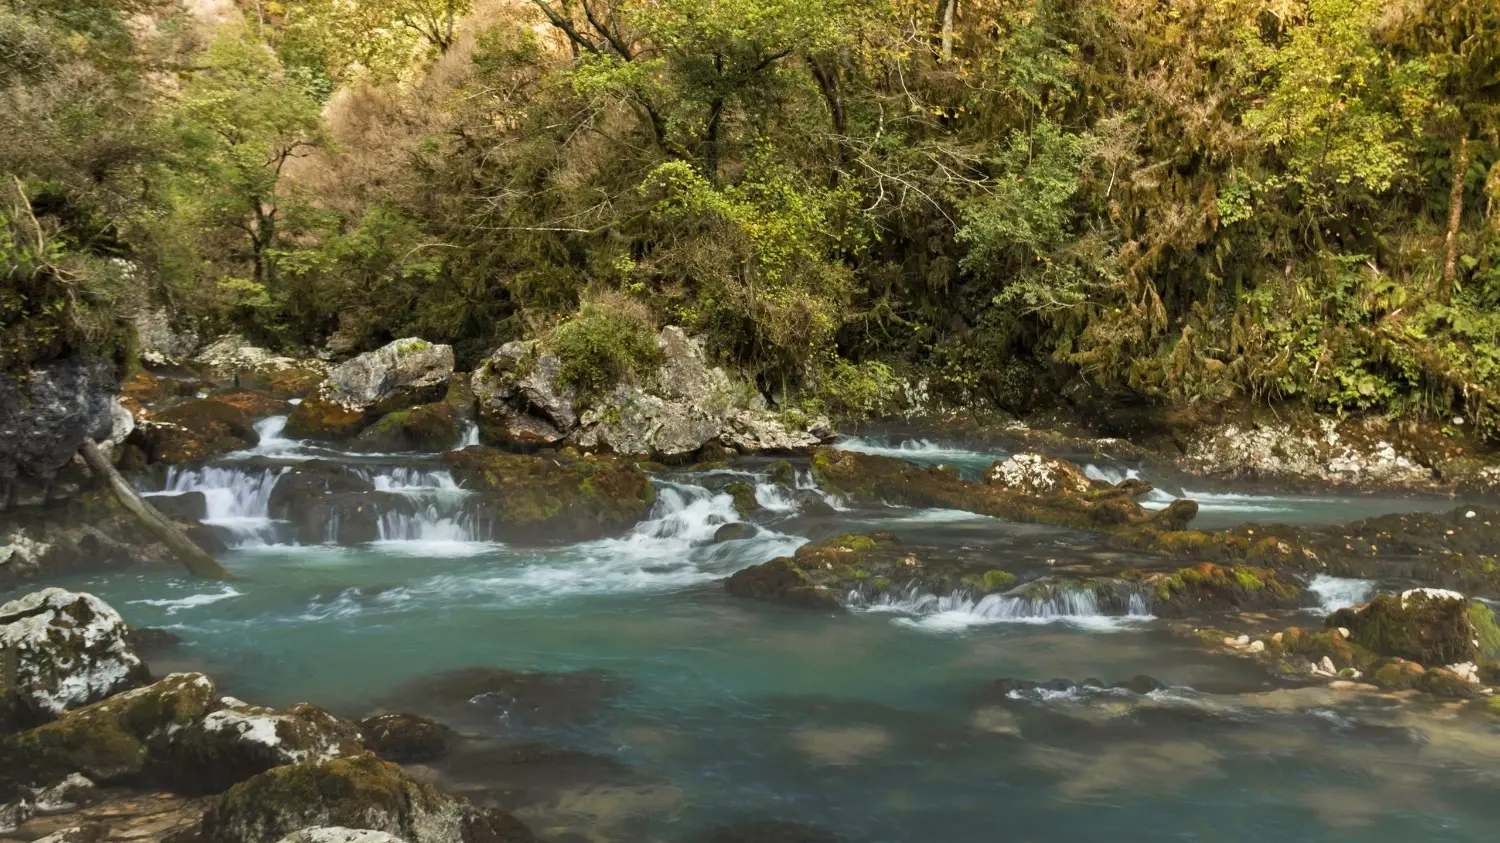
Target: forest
(1176, 200)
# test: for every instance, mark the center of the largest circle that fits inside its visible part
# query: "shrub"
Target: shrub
(610, 339)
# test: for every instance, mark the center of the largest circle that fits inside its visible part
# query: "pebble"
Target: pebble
(1344, 631)
(1257, 646)
(1242, 640)
(1327, 665)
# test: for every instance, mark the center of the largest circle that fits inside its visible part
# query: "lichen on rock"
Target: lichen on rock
(563, 496)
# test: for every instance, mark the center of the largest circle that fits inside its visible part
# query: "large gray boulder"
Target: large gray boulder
(60, 650)
(46, 413)
(399, 374)
(671, 414)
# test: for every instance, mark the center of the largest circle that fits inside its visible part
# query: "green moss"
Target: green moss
(782, 473)
(744, 498)
(1248, 580)
(991, 582)
(1482, 618)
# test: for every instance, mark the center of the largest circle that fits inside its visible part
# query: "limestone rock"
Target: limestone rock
(520, 396)
(47, 412)
(360, 792)
(70, 794)
(427, 428)
(232, 358)
(1427, 626)
(340, 835)
(400, 374)
(194, 431)
(1037, 475)
(240, 740)
(61, 650)
(159, 340)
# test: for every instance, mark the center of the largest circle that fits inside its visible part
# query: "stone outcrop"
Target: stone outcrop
(360, 792)
(681, 407)
(1427, 626)
(45, 414)
(401, 374)
(1036, 474)
(239, 740)
(159, 340)
(60, 650)
(231, 358)
(554, 497)
(194, 431)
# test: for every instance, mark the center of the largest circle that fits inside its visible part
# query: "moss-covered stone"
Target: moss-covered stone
(743, 495)
(1430, 629)
(358, 792)
(324, 419)
(1486, 631)
(783, 474)
(428, 428)
(1216, 588)
(118, 741)
(1442, 682)
(255, 404)
(1314, 645)
(1396, 674)
(991, 582)
(240, 740)
(556, 497)
(194, 431)
(405, 738)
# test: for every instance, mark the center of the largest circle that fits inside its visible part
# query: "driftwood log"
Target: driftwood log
(194, 557)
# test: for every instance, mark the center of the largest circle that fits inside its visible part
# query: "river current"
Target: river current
(642, 703)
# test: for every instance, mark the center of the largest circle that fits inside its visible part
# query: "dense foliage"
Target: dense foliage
(1187, 200)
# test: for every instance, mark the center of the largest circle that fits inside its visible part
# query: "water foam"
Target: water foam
(1081, 606)
(237, 500)
(1336, 593)
(192, 601)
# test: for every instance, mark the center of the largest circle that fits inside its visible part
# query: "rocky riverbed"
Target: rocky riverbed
(468, 607)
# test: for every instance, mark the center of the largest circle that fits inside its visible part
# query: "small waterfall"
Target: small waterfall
(1103, 605)
(272, 443)
(237, 500)
(806, 483)
(412, 480)
(435, 523)
(1336, 593)
(775, 498)
(471, 435)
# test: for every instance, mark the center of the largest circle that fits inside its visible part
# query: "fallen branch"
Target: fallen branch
(194, 557)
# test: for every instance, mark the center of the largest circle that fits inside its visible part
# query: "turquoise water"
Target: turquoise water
(668, 707)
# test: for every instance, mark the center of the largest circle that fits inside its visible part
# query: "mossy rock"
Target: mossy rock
(240, 740)
(358, 792)
(428, 428)
(405, 738)
(256, 404)
(1218, 588)
(1426, 629)
(783, 474)
(1314, 645)
(195, 431)
(1396, 674)
(781, 581)
(992, 582)
(121, 740)
(1442, 682)
(734, 531)
(743, 495)
(1486, 631)
(292, 381)
(555, 496)
(323, 419)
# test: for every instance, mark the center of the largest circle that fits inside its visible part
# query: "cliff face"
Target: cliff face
(45, 414)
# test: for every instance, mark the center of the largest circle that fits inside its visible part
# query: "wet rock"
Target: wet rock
(1140, 684)
(769, 831)
(1396, 674)
(348, 519)
(1315, 646)
(118, 740)
(324, 419)
(562, 497)
(428, 428)
(1427, 626)
(358, 792)
(340, 835)
(743, 495)
(734, 531)
(299, 486)
(820, 574)
(46, 413)
(869, 478)
(783, 474)
(240, 740)
(1208, 588)
(405, 738)
(487, 695)
(1443, 682)
(187, 506)
(60, 650)
(255, 404)
(70, 794)
(1035, 474)
(232, 358)
(195, 431)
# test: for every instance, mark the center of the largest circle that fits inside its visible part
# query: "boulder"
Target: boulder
(520, 397)
(1208, 588)
(1427, 626)
(195, 431)
(324, 419)
(299, 486)
(255, 404)
(628, 420)
(562, 497)
(405, 738)
(752, 431)
(361, 792)
(348, 519)
(734, 531)
(70, 794)
(46, 413)
(60, 650)
(399, 374)
(240, 740)
(159, 340)
(1035, 474)
(231, 358)
(117, 741)
(184, 506)
(428, 428)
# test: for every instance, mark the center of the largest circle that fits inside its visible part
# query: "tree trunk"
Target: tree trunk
(1455, 216)
(194, 557)
(950, 7)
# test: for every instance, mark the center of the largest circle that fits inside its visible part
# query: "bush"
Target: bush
(611, 338)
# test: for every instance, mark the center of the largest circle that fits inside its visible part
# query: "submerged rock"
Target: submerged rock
(60, 650)
(489, 695)
(405, 738)
(299, 486)
(360, 792)
(769, 831)
(1427, 626)
(562, 497)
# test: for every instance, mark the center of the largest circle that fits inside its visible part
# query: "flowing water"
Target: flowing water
(667, 707)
